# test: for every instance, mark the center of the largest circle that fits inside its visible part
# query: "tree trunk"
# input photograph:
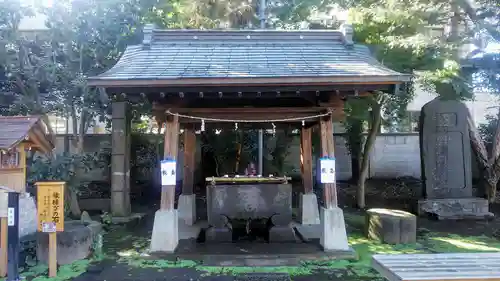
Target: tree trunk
(74, 206)
(74, 120)
(82, 129)
(489, 166)
(66, 137)
(72, 199)
(468, 7)
(370, 140)
(454, 26)
(78, 139)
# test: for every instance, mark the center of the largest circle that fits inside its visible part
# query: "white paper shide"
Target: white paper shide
(168, 172)
(10, 217)
(327, 166)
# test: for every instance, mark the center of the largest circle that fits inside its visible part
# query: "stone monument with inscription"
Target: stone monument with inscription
(446, 162)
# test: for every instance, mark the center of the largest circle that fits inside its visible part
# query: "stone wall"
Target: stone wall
(27, 215)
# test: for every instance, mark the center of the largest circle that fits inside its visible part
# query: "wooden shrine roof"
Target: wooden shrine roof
(16, 129)
(246, 57)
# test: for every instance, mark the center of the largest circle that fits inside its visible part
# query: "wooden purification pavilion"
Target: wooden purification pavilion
(198, 77)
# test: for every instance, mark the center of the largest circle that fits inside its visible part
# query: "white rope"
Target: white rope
(250, 121)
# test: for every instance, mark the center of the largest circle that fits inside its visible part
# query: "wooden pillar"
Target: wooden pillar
(53, 254)
(3, 247)
(306, 159)
(120, 157)
(189, 161)
(328, 150)
(171, 148)
(126, 164)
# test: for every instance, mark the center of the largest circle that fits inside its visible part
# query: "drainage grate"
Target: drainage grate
(263, 277)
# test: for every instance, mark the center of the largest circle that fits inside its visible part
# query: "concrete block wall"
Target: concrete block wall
(393, 155)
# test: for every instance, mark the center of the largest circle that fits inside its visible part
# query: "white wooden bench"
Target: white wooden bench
(456, 267)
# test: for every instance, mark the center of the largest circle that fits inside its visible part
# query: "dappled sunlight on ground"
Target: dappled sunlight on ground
(128, 250)
(357, 269)
(466, 245)
(439, 243)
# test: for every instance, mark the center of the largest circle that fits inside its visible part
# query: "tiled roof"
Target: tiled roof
(14, 129)
(185, 54)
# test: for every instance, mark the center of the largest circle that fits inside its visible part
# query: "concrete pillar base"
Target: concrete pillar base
(333, 235)
(165, 236)
(187, 208)
(309, 212)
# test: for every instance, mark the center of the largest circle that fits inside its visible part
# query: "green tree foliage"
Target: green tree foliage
(26, 72)
(46, 72)
(87, 37)
(423, 36)
(237, 14)
(67, 168)
(411, 37)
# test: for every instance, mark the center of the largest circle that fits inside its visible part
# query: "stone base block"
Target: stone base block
(309, 211)
(165, 237)
(74, 243)
(456, 208)
(218, 234)
(187, 208)
(391, 226)
(333, 232)
(282, 234)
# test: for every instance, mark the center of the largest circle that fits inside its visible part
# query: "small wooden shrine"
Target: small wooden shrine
(19, 134)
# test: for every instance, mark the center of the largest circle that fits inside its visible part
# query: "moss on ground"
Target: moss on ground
(129, 249)
(356, 268)
(64, 272)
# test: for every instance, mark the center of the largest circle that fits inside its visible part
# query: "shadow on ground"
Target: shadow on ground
(125, 252)
(125, 258)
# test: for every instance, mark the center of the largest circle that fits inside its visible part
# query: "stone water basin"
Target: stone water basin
(250, 201)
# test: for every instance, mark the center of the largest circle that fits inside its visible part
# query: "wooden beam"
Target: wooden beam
(251, 81)
(170, 152)
(171, 92)
(37, 137)
(189, 161)
(328, 150)
(306, 159)
(46, 138)
(253, 110)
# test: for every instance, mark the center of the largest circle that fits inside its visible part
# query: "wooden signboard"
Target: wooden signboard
(50, 205)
